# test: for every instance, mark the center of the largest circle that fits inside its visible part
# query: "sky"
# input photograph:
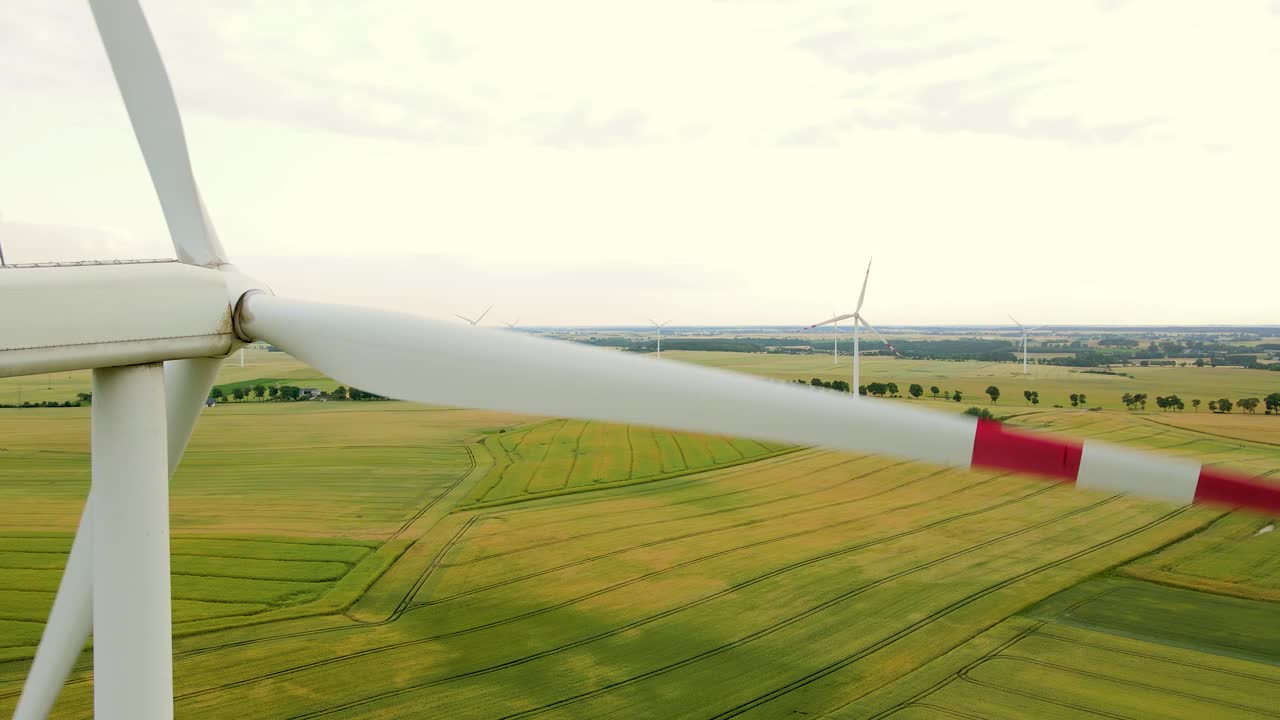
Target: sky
(595, 162)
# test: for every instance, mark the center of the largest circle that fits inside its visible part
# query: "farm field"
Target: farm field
(1055, 384)
(378, 560)
(560, 456)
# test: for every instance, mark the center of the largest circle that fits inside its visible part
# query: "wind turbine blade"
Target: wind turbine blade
(464, 317)
(862, 295)
(1015, 321)
(66, 631)
(888, 344)
(1038, 327)
(428, 361)
(828, 321)
(187, 384)
(486, 312)
(153, 112)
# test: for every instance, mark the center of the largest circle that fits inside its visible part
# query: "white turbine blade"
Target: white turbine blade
(419, 359)
(486, 312)
(862, 295)
(1038, 327)
(1015, 321)
(67, 630)
(828, 321)
(424, 360)
(464, 317)
(153, 112)
(186, 387)
(888, 344)
(427, 361)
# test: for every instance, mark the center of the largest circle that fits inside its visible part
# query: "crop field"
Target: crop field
(1055, 384)
(389, 560)
(560, 456)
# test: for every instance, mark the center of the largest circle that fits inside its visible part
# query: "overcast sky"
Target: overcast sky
(602, 162)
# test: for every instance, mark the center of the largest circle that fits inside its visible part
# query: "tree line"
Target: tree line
(289, 393)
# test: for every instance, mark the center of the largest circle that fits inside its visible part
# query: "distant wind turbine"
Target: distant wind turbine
(477, 320)
(512, 325)
(858, 320)
(659, 326)
(1025, 331)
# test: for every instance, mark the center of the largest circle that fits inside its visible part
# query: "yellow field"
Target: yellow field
(331, 560)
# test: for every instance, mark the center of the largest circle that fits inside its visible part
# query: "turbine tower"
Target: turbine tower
(477, 320)
(154, 334)
(1025, 332)
(659, 326)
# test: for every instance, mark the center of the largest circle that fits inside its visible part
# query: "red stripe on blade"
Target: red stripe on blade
(1232, 490)
(996, 447)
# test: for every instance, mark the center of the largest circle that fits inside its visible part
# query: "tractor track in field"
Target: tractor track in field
(710, 531)
(884, 642)
(630, 581)
(677, 483)
(1038, 629)
(966, 677)
(769, 629)
(573, 463)
(722, 511)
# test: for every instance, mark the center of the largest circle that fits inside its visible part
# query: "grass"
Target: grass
(388, 560)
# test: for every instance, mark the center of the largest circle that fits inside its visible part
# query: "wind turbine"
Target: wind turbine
(464, 317)
(857, 320)
(511, 325)
(154, 333)
(660, 326)
(1025, 331)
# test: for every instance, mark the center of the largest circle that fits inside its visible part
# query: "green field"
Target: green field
(1055, 384)
(388, 560)
(561, 456)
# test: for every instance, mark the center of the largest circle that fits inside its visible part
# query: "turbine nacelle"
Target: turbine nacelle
(90, 315)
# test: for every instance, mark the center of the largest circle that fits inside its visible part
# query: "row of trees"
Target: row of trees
(289, 393)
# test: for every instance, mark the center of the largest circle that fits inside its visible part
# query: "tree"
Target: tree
(816, 382)
(1081, 399)
(957, 396)
(1213, 406)
(934, 389)
(274, 391)
(840, 385)
(1128, 400)
(916, 390)
(1141, 399)
(239, 393)
(1249, 405)
(1162, 402)
(994, 392)
(862, 389)
(1272, 401)
(1195, 403)
(893, 389)
(259, 391)
(1224, 405)
(85, 396)
(1075, 400)
(1199, 362)
(1035, 397)
(983, 413)
(878, 389)
(1027, 394)
(217, 394)
(340, 392)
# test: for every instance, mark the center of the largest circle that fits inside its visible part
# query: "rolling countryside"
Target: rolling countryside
(474, 564)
